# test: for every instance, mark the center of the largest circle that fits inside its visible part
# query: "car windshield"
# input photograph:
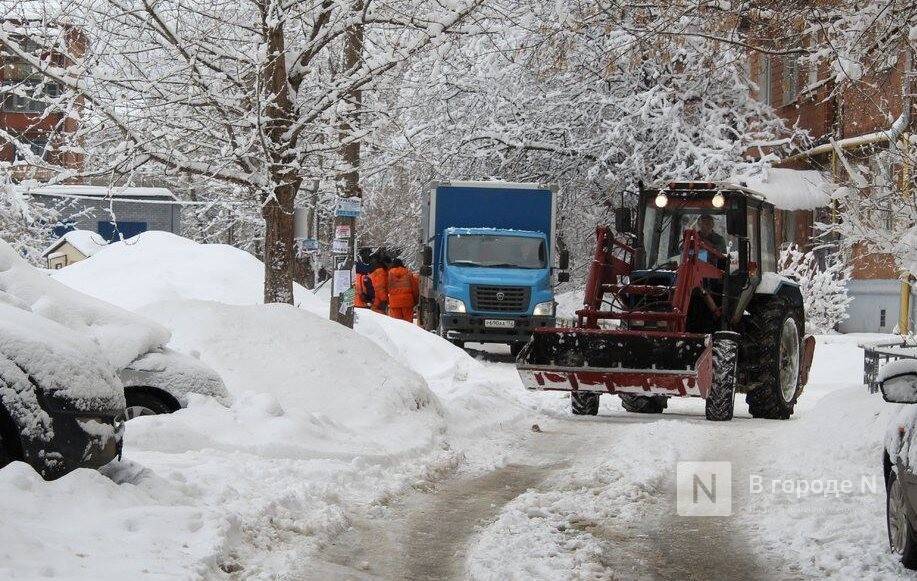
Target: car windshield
(492, 251)
(663, 232)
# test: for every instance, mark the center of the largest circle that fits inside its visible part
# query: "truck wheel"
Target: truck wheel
(643, 404)
(720, 402)
(776, 328)
(901, 538)
(515, 349)
(584, 403)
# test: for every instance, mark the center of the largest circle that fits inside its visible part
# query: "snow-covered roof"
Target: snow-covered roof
(78, 191)
(791, 189)
(86, 241)
(497, 184)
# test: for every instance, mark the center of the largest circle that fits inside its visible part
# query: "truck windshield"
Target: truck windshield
(497, 251)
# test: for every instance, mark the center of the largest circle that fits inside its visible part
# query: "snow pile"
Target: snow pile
(838, 437)
(158, 266)
(304, 382)
(121, 335)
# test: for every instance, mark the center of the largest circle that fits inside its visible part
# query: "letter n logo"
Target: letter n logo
(703, 488)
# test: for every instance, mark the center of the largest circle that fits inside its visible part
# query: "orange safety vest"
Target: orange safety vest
(379, 279)
(402, 288)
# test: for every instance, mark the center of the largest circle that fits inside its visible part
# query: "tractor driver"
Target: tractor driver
(709, 235)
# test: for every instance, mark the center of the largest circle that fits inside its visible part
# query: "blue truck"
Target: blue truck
(488, 261)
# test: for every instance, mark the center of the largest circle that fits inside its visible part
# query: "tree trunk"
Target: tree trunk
(278, 210)
(278, 248)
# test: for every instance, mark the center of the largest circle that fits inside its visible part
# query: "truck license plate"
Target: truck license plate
(499, 323)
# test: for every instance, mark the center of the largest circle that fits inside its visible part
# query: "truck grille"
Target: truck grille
(500, 299)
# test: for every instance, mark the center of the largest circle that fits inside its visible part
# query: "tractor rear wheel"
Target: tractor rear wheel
(644, 404)
(777, 328)
(584, 403)
(720, 402)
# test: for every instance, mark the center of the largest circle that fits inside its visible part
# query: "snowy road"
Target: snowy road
(595, 498)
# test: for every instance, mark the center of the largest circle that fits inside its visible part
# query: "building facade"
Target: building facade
(852, 126)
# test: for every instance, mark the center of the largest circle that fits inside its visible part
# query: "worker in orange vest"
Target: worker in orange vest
(363, 291)
(403, 292)
(379, 280)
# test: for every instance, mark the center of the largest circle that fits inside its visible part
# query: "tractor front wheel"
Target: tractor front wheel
(644, 404)
(584, 403)
(721, 397)
(778, 330)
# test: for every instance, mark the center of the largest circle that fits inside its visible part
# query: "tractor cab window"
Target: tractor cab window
(663, 233)
(768, 247)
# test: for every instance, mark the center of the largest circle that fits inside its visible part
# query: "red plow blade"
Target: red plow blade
(612, 361)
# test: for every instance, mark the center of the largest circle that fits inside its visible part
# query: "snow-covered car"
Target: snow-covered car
(61, 406)
(160, 381)
(898, 382)
(156, 379)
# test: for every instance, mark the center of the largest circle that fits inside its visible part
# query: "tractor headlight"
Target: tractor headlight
(662, 200)
(451, 305)
(545, 309)
(719, 200)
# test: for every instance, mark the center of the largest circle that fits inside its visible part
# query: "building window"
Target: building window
(790, 79)
(763, 79)
(15, 102)
(36, 146)
(113, 232)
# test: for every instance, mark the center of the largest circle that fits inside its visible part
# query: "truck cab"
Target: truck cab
(489, 272)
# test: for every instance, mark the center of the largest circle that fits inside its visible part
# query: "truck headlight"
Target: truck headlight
(452, 305)
(544, 309)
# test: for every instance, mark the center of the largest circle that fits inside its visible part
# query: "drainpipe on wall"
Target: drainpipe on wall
(898, 132)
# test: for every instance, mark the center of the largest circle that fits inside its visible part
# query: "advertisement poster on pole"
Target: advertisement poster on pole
(342, 231)
(349, 208)
(340, 246)
(341, 282)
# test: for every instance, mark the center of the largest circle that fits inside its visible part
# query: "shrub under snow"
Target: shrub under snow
(824, 290)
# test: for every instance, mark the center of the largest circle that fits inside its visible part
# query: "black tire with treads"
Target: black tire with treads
(644, 404)
(584, 403)
(768, 316)
(720, 403)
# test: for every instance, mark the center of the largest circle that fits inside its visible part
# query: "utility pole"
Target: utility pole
(349, 192)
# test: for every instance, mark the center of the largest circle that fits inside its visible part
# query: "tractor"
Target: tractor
(682, 301)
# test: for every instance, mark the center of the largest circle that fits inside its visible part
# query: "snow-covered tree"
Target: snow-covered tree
(567, 94)
(249, 94)
(824, 288)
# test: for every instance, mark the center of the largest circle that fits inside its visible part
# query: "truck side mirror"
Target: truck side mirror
(624, 221)
(563, 277)
(427, 256)
(736, 216)
(563, 260)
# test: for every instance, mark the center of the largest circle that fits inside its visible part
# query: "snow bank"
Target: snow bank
(315, 384)
(121, 335)
(159, 266)
(837, 436)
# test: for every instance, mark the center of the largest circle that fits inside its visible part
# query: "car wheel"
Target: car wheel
(141, 403)
(901, 538)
